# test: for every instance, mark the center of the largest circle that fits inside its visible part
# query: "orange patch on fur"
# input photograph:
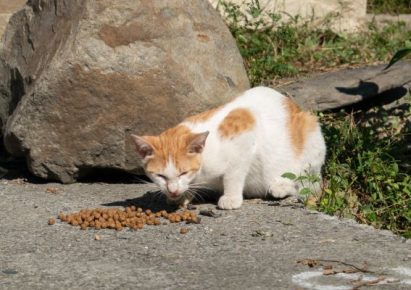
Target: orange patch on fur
(236, 122)
(202, 117)
(173, 144)
(300, 124)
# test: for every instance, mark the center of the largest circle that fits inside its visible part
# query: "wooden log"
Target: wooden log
(349, 86)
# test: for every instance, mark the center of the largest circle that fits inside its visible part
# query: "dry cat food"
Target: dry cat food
(131, 217)
(52, 221)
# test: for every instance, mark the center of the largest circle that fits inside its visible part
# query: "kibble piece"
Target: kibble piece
(184, 230)
(97, 237)
(51, 221)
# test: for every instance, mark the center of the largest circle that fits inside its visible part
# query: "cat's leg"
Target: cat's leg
(237, 170)
(281, 187)
(233, 194)
(233, 191)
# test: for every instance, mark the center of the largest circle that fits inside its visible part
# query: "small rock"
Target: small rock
(210, 213)
(9, 272)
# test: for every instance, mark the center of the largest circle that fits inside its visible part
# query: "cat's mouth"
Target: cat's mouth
(175, 196)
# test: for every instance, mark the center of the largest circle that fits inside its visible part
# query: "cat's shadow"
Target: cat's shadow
(156, 201)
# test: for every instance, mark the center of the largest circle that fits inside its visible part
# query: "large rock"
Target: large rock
(88, 73)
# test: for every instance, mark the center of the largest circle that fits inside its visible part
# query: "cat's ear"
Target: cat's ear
(197, 142)
(144, 149)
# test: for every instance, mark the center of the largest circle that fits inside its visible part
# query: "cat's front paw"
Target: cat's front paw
(230, 202)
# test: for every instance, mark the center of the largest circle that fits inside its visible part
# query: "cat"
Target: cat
(239, 149)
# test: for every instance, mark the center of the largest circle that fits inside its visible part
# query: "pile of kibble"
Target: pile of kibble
(117, 218)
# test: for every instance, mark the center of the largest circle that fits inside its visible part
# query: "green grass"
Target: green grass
(389, 6)
(367, 172)
(274, 49)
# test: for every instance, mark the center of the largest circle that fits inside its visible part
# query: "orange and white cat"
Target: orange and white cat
(239, 149)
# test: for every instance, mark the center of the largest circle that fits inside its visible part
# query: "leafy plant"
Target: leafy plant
(308, 182)
(365, 177)
(275, 46)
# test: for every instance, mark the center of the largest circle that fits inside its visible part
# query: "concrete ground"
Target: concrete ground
(256, 247)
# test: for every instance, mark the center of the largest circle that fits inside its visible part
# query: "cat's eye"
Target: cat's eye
(183, 173)
(162, 176)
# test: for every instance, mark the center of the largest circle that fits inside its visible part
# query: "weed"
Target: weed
(388, 6)
(273, 47)
(367, 172)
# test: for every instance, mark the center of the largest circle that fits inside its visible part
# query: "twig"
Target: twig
(362, 283)
(304, 262)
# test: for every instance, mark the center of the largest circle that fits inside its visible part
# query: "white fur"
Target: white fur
(252, 163)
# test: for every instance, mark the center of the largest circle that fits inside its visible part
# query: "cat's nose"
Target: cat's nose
(173, 193)
(172, 189)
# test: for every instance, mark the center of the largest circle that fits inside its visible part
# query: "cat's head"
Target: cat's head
(172, 159)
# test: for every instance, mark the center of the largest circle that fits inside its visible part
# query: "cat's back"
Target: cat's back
(265, 104)
(255, 106)
(259, 98)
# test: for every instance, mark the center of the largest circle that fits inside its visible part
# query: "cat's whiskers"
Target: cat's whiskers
(157, 193)
(196, 195)
(200, 192)
(200, 186)
(143, 181)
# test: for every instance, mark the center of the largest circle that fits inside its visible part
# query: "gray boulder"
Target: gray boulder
(86, 74)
